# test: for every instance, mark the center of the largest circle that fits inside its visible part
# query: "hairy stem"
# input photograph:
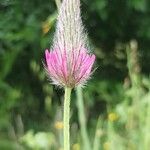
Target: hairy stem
(66, 118)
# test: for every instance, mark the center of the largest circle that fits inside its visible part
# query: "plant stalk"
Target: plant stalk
(82, 120)
(66, 118)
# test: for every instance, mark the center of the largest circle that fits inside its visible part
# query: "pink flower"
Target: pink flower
(69, 62)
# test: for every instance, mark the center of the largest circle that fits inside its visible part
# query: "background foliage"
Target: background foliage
(117, 98)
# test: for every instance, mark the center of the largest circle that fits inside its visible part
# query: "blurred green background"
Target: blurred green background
(116, 99)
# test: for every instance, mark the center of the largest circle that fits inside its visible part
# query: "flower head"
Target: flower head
(69, 62)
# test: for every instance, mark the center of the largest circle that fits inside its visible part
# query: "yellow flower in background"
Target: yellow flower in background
(106, 146)
(76, 146)
(58, 125)
(112, 117)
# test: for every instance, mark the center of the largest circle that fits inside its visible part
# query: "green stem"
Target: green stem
(66, 118)
(82, 120)
(147, 126)
(98, 134)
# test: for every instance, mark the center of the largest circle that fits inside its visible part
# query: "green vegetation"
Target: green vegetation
(116, 100)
